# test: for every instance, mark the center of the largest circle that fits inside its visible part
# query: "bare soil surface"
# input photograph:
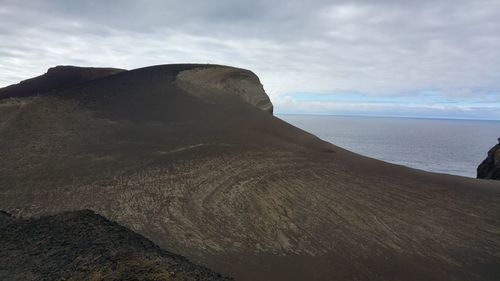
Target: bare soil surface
(211, 175)
(82, 245)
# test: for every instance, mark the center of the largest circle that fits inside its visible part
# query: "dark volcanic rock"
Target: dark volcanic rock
(82, 245)
(490, 167)
(56, 78)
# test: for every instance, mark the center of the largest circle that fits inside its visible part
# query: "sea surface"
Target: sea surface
(436, 145)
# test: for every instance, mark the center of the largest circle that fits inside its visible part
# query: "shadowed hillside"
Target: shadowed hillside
(189, 156)
(82, 245)
(56, 78)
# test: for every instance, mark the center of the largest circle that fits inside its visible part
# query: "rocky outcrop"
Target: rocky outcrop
(212, 81)
(56, 78)
(490, 167)
(83, 245)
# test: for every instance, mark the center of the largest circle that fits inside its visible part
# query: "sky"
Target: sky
(426, 58)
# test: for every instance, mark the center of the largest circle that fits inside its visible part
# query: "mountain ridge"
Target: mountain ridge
(56, 78)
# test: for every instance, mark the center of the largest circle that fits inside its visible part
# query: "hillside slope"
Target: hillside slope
(180, 155)
(56, 78)
(82, 246)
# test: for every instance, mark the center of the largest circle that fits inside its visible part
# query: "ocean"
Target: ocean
(437, 145)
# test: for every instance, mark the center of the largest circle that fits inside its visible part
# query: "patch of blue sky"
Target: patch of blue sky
(431, 103)
(417, 97)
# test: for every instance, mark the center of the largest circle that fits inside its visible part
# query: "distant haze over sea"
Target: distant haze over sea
(436, 145)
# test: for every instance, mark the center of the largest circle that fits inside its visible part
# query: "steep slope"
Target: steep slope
(490, 167)
(82, 245)
(56, 78)
(211, 175)
(210, 83)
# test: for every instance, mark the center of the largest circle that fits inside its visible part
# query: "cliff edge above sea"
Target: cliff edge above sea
(490, 167)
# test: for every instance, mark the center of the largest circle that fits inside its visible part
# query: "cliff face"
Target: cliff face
(216, 81)
(82, 245)
(490, 167)
(189, 157)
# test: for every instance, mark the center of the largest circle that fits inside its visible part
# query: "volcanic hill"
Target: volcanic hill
(191, 157)
(56, 78)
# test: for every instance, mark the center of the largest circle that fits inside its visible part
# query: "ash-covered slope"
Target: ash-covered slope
(82, 245)
(56, 78)
(190, 157)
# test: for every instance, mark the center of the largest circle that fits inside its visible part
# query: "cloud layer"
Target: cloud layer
(381, 49)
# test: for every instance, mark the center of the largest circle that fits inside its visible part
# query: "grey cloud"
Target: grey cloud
(375, 47)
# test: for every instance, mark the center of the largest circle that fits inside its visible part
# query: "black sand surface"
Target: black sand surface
(190, 157)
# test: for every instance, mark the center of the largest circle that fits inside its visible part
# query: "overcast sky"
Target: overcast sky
(405, 58)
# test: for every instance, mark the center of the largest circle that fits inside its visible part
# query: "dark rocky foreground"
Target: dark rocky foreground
(82, 245)
(190, 157)
(490, 167)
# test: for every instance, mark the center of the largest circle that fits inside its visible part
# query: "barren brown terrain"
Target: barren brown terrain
(191, 157)
(81, 246)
